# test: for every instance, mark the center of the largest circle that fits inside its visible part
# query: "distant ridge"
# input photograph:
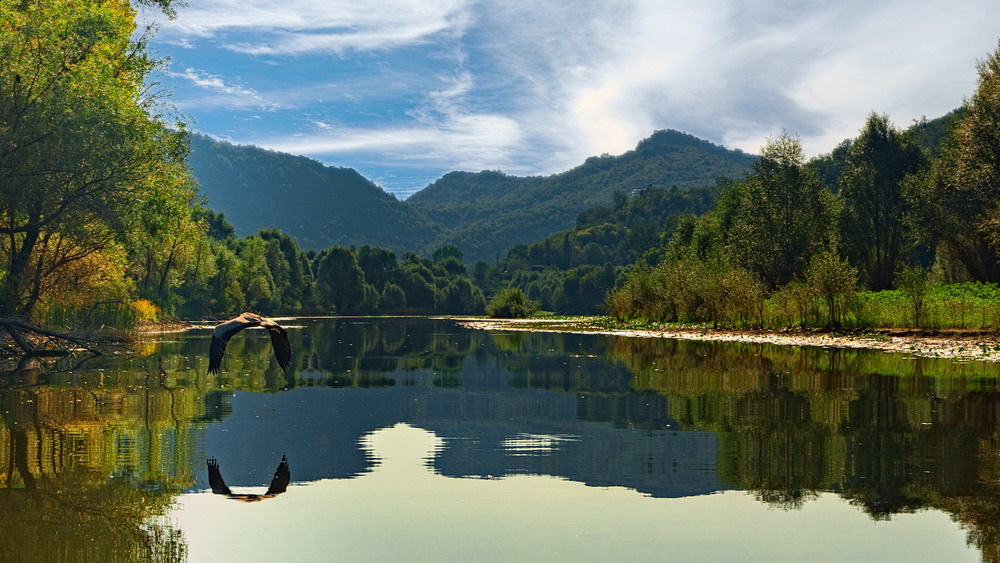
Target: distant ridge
(483, 213)
(317, 205)
(488, 212)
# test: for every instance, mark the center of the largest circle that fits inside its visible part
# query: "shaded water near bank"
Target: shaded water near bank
(416, 439)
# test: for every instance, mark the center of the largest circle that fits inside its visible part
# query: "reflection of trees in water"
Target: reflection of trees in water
(348, 352)
(60, 444)
(890, 434)
(88, 517)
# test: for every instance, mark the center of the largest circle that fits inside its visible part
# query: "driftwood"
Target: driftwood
(35, 341)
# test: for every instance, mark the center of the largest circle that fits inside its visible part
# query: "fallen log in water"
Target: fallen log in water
(40, 342)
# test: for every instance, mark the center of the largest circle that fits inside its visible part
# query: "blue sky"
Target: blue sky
(405, 90)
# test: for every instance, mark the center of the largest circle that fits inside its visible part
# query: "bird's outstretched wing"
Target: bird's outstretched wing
(221, 335)
(282, 348)
(215, 478)
(281, 478)
(226, 330)
(215, 352)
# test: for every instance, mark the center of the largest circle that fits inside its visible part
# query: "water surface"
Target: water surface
(416, 439)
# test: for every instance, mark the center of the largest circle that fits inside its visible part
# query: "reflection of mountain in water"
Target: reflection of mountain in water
(496, 432)
(478, 392)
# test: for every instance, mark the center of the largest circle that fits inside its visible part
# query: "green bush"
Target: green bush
(510, 303)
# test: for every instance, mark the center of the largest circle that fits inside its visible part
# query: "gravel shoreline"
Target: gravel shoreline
(954, 344)
(957, 345)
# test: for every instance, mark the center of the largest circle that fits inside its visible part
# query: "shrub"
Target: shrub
(835, 281)
(510, 303)
(912, 281)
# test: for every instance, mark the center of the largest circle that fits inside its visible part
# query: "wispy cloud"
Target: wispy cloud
(536, 87)
(292, 27)
(233, 96)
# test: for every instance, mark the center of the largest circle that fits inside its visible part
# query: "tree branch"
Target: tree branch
(15, 327)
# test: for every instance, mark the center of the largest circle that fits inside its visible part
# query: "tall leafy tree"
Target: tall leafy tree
(957, 202)
(83, 156)
(340, 283)
(874, 232)
(289, 268)
(779, 216)
(378, 264)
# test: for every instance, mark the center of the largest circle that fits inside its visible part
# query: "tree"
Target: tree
(957, 201)
(417, 282)
(834, 280)
(289, 268)
(873, 220)
(447, 251)
(83, 158)
(460, 296)
(340, 283)
(780, 216)
(509, 303)
(255, 277)
(378, 264)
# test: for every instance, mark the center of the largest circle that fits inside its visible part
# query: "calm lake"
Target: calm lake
(411, 439)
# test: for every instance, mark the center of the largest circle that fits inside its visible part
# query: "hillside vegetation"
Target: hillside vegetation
(483, 213)
(318, 205)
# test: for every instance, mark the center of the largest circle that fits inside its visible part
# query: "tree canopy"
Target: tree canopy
(86, 163)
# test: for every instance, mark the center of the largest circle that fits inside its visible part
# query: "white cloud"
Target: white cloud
(284, 27)
(230, 95)
(537, 86)
(467, 140)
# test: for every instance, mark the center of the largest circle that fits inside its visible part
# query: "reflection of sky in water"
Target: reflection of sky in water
(403, 511)
(534, 444)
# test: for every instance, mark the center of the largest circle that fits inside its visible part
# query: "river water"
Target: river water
(412, 439)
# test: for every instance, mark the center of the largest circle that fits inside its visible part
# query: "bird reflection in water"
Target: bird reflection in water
(278, 483)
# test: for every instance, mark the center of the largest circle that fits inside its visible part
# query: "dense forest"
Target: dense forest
(482, 213)
(487, 213)
(100, 204)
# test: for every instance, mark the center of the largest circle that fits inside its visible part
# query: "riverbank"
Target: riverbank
(955, 344)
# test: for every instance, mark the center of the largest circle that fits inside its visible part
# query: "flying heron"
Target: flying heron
(225, 331)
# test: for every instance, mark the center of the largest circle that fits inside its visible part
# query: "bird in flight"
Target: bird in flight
(278, 483)
(225, 331)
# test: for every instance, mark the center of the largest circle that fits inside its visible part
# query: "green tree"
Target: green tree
(957, 201)
(509, 303)
(417, 281)
(340, 283)
(460, 296)
(782, 215)
(289, 269)
(835, 281)
(255, 277)
(913, 282)
(393, 297)
(378, 264)
(84, 160)
(447, 251)
(873, 222)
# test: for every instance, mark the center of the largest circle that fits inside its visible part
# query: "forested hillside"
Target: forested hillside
(487, 213)
(319, 206)
(571, 270)
(484, 213)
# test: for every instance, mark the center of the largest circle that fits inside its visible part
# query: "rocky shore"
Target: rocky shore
(956, 344)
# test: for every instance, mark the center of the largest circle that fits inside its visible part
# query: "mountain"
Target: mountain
(483, 213)
(317, 205)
